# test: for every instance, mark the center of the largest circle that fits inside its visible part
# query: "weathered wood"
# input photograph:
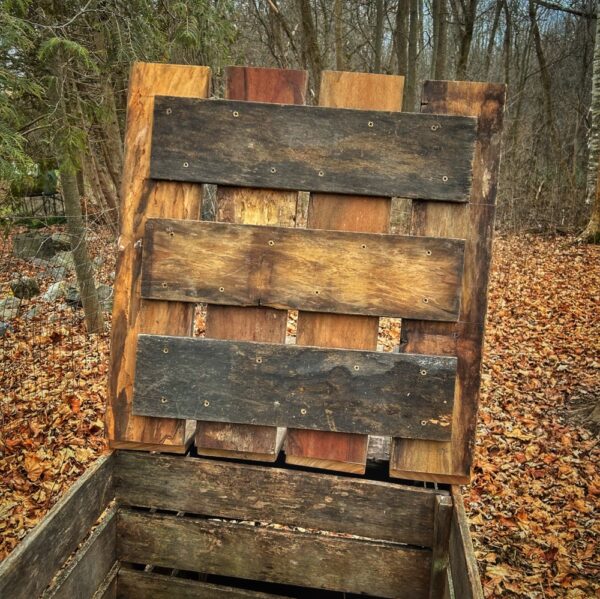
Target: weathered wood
(252, 207)
(134, 584)
(108, 587)
(27, 571)
(141, 199)
(463, 565)
(317, 449)
(90, 565)
(355, 506)
(355, 152)
(451, 462)
(439, 558)
(264, 553)
(321, 271)
(351, 391)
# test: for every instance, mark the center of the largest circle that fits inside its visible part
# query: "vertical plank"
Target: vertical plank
(252, 207)
(441, 536)
(450, 462)
(143, 198)
(342, 451)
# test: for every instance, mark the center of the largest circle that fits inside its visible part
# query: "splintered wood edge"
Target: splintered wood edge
(323, 464)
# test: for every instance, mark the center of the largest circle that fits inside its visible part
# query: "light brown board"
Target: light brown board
(134, 584)
(90, 565)
(343, 451)
(283, 556)
(451, 462)
(354, 506)
(321, 271)
(352, 391)
(355, 152)
(141, 199)
(253, 207)
(27, 571)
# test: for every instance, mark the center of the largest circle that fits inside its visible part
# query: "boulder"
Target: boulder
(61, 242)
(62, 260)
(25, 287)
(33, 244)
(105, 296)
(9, 307)
(54, 292)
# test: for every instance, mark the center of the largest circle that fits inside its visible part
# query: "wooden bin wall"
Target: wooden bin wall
(192, 514)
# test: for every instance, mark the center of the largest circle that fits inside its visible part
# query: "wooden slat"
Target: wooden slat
(321, 271)
(134, 584)
(354, 506)
(463, 565)
(343, 451)
(451, 462)
(372, 153)
(141, 199)
(31, 566)
(282, 556)
(90, 565)
(306, 387)
(108, 587)
(253, 207)
(439, 558)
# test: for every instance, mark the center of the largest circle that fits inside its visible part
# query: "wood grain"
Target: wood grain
(281, 556)
(341, 504)
(451, 462)
(253, 207)
(335, 451)
(307, 269)
(359, 152)
(351, 391)
(463, 564)
(90, 565)
(141, 199)
(135, 584)
(27, 571)
(441, 535)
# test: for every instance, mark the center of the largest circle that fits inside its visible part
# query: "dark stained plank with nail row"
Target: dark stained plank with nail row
(282, 556)
(334, 150)
(355, 506)
(349, 391)
(314, 270)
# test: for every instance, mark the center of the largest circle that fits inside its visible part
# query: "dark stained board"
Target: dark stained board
(283, 556)
(91, 564)
(355, 506)
(349, 391)
(136, 584)
(308, 269)
(331, 150)
(439, 556)
(27, 571)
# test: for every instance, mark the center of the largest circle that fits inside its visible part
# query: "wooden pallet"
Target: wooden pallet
(234, 517)
(179, 527)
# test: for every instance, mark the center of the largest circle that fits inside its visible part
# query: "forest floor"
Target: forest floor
(534, 503)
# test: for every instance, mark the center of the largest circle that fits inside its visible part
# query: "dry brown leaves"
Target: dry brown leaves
(534, 501)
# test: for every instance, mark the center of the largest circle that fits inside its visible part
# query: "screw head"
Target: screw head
(206, 403)
(236, 114)
(168, 111)
(186, 164)
(445, 179)
(303, 411)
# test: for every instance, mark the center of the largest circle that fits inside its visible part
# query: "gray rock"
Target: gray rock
(9, 307)
(32, 313)
(62, 242)
(105, 296)
(5, 327)
(73, 297)
(99, 261)
(63, 260)
(25, 287)
(54, 292)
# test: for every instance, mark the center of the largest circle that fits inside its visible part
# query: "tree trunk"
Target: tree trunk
(591, 233)
(340, 59)
(378, 36)
(440, 39)
(310, 45)
(83, 266)
(492, 40)
(401, 37)
(506, 44)
(465, 17)
(410, 97)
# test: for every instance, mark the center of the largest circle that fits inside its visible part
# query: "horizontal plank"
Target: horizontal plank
(134, 584)
(308, 269)
(311, 148)
(90, 565)
(273, 555)
(348, 391)
(27, 571)
(355, 506)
